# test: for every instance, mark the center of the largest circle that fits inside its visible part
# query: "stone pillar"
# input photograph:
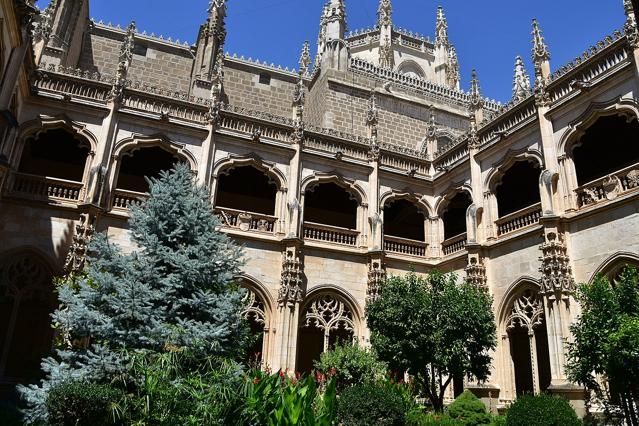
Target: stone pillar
(207, 160)
(290, 297)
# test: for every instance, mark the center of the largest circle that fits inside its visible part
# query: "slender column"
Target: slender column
(205, 171)
(533, 361)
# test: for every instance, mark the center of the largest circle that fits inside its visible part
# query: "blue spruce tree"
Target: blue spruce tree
(174, 290)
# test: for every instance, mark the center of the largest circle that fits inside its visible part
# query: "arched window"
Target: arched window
(330, 204)
(528, 342)
(255, 313)
(519, 188)
(246, 189)
(325, 321)
(454, 215)
(609, 145)
(55, 153)
(404, 219)
(26, 303)
(141, 163)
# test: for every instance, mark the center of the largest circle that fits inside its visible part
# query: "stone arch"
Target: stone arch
(525, 356)
(493, 179)
(26, 302)
(628, 108)
(329, 314)
(614, 263)
(259, 310)
(268, 168)
(410, 68)
(352, 187)
(408, 195)
(131, 144)
(449, 194)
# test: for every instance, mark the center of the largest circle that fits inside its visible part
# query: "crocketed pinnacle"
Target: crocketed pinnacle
(521, 81)
(441, 28)
(540, 49)
(476, 101)
(384, 13)
(305, 59)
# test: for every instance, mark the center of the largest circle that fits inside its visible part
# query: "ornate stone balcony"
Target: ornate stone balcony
(519, 219)
(454, 244)
(404, 246)
(122, 199)
(246, 221)
(330, 234)
(609, 187)
(42, 188)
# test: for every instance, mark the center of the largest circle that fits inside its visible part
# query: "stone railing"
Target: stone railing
(80, 84)
(330, 234)
(609, 187)
(42, 188)
(405, 246)
(454, 244)
(519, 219)
(452, 155)
(122, 199)
(165, 106)
(246, 221)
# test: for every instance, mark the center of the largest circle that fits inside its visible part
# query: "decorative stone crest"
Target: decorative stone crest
(376, 277)
(476, 271)
(43, 24)
(305, 59)
(540, 52)
(126, 56)
(291, 291)
(556, 272)
(76, 257)
(384, 13)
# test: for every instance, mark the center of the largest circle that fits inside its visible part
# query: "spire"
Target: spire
(540, 53)
(305, 59)
(441, 29)
(630, 27)
(384, 13)
(476, 101)
(521, 82)
(210, 41)
(333, 47)
(126, 56)
(452, 69)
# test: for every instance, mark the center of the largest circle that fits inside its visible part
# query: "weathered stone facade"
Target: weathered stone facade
(370, 163)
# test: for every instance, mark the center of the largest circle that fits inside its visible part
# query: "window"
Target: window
(265, 78)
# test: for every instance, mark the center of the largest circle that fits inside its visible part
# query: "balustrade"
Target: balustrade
(42, 188)
(331, 234)
(519, 219)
(454, 244)
(405, 246)
(246, 221)
(122, 199)
(609, 187)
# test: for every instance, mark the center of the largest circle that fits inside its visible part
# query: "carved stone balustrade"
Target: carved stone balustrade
(42, 188)
(405, 246)
(454, 244)
(609, 187)
(330, 234)
(519, 219)
(122, 199)
(246, 221)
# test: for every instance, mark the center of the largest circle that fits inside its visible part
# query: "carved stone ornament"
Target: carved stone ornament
(612, 187)
(476, 272)
(126, 56)
(291, 281)
(386, 54)
(630, 27)
(527, 312)
(328, 313)
(384, 13)
(244, 221)
(376, 277)
(542, 97)
(253, 308)
(76, 257)
(633, 179)
(556, 272)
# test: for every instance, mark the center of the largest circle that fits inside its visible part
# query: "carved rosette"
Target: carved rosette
(556, 272)
(476, 272)
(376, 277)
(291, 291)
(76, 257)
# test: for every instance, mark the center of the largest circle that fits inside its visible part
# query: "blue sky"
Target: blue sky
(488, 34)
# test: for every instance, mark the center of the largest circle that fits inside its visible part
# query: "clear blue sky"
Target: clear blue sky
(488, 34)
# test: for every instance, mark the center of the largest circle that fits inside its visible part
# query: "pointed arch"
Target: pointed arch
(350, 185)
(270, 169)
(129, 145)
(493, 179)
(37, 126)
(613, 264)
(512, 293)
(408, 195)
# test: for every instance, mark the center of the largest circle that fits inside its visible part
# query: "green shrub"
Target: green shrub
(371, 405)
(351, 365)
(498, 421)
(541, 410)
(418, 418)
(469, 410)
(80, 403)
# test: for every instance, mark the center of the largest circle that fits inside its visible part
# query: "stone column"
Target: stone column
(207, 160)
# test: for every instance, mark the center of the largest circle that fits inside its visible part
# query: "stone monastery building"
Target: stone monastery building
(368, 161)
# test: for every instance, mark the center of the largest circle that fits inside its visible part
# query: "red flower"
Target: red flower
(298, 375)
(256, 380)
(281, 374)
(332, 372)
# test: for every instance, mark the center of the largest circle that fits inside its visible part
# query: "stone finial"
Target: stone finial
(125, 58)
(540, 51)
(441, 29)
(305, 59)
(215, 20)
(476, 101)
(630, 27)
(43, 26)
(521, 82)
(384, 13)
(452, 69)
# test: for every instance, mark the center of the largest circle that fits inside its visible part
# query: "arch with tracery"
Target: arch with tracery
(258, 312)
(525, 351)
(26, 302)
(327, 318)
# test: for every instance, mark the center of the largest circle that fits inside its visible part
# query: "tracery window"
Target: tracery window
(26, 301)
(255, 313)
(326, 320)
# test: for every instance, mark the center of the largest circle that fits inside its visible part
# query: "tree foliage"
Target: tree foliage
(371, 404)
(606, 340)
(351, 365)
(173, 291)
(433, 328)
(541, 410)
(469, 409)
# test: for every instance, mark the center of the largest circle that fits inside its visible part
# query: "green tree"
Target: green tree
(174, 291)
(433, 328)
(606, 341)
(351, 365)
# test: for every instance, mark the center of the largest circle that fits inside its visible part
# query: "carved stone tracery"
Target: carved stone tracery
(254, 309)
(291, 290)
(328, 313)
(78, 251)
(527, 312)
(555, 268)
